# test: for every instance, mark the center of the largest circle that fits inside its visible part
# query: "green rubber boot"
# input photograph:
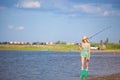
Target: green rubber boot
(82, 74)
(86, 73)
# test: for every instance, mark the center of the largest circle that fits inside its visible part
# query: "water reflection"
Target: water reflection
(48, 65)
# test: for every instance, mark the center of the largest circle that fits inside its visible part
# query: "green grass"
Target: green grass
(94, 44)
(109, 46)
(54, 47)
(113, 46)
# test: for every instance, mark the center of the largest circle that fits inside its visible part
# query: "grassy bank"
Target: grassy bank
(113, 46)
(55, 47)
(109, 46)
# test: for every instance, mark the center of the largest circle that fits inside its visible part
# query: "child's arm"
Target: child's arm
(89, 50)
(80, 46)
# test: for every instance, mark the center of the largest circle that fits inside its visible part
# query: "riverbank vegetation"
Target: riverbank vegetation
(56, 47)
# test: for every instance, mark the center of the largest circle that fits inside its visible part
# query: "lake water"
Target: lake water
(49, 65)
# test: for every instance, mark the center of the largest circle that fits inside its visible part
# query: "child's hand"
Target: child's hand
(80, 45)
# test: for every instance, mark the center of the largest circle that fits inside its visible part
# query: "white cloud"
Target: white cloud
(10, 26)
(20, 28)
(106, 13)
(28, 4)
(86, 8)
(100, 9)
(73, 15)
(111, 13)
(65, 6)
(16, 27)
(91, 8)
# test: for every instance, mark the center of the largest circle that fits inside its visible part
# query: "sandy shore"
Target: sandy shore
(109, 77)
(101, 51)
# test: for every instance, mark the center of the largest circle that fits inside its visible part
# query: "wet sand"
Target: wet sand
(109, 77)
(105, 51)
(97, 51)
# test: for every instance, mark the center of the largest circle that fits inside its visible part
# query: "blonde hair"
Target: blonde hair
(85, 37)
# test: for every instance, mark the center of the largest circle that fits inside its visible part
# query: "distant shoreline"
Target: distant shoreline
(56, 47)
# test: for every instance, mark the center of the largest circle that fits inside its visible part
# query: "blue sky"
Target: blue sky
(64, 20)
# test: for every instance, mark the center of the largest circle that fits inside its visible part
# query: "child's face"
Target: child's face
(84, 40)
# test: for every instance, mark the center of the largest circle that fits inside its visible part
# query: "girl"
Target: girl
(85, 52)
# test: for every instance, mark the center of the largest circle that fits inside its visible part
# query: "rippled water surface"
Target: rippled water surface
(48, 65)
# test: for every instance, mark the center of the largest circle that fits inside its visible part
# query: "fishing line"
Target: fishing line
(99, 32)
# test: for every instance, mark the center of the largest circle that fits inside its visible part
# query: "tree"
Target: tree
(101, 42)
(60, 42)
(107, 41)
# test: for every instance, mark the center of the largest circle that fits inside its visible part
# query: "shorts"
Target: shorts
(84, 54)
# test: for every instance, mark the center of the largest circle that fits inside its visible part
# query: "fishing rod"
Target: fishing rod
(99, 32)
